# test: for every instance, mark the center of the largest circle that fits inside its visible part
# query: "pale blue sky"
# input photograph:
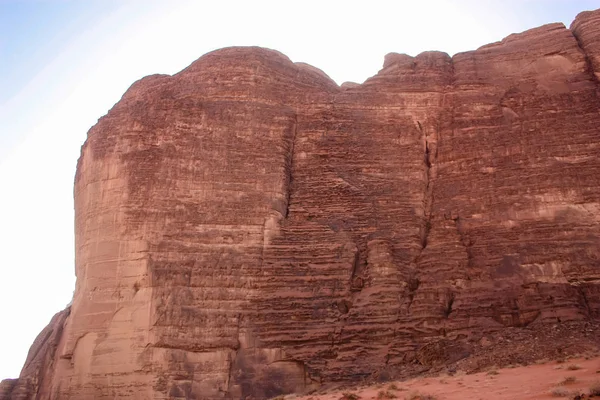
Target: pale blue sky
(63, 64)
(32, 33)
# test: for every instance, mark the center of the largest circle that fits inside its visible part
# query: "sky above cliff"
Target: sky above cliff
(63, 64)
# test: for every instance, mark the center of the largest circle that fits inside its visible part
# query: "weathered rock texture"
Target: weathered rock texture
(247, 227)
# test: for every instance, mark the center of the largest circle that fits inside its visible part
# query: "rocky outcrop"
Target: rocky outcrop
(37, 374)
(247, 227)
(587, 32)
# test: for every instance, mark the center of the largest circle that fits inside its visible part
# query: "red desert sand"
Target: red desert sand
(543, 381)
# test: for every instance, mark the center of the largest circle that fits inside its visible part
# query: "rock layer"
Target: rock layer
(247, 227)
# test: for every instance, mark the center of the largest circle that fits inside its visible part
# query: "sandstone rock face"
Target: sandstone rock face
(246, 227)
(37, 374)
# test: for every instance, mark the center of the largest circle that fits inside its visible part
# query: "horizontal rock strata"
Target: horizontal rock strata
(247, 227)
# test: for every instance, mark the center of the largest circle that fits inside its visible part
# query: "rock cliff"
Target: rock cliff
(247, 227)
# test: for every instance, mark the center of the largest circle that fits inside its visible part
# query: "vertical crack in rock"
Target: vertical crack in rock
(428, 194)
(283, 210)
(413, 285)
(588, 60)
(465, 240)
(585, 301)
(289, 166)
(232, 359)
(355, 266)
(448, 305)
(429, 158)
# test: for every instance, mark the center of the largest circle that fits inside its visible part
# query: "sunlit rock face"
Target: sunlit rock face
(247, 227)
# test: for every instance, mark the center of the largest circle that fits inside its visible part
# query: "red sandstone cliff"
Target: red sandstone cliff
(248, 228)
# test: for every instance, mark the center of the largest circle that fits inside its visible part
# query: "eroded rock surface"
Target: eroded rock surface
(37, 374)
(247, 227)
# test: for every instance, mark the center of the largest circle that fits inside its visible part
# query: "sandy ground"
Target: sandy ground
(529, 382)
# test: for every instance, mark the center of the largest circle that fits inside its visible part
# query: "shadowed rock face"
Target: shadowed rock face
(246, 227)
